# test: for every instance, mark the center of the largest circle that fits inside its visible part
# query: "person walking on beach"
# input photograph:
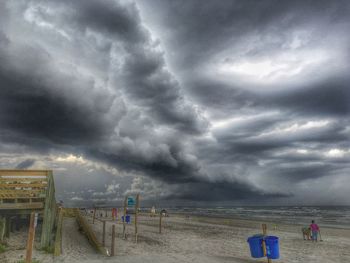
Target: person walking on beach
(314, 229)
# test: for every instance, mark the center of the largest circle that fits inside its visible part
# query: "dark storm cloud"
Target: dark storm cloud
(147, 81)
(258, 120)
(143, 73)
(214, 191)
(43, 106)
(208, 27)
(330, 97)
(183, 172)
(25, 164)
(89, 78)
(331, 133)
(31, 110)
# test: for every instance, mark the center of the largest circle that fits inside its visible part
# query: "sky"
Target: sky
(185, 102)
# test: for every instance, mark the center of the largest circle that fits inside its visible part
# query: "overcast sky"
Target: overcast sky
(188, 102)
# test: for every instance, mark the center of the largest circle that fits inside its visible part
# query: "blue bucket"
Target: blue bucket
(255, 245)
(272, 248)
(127, 219)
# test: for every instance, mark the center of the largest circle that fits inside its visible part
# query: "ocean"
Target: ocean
(328, 216)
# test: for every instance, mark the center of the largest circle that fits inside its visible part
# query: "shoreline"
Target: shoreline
(328, 216)
(265, 220)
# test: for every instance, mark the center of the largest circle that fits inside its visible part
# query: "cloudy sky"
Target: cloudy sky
(185, 102)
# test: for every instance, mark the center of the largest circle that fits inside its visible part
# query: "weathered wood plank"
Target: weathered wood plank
(21, 198)
(24, 172)
(24, 185)
(23, 179)
(22, 191)
(10, 206)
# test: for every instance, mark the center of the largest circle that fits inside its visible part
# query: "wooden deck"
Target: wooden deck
(23, 189)
(26, 191)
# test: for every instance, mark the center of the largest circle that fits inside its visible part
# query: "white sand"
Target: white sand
(196, 240)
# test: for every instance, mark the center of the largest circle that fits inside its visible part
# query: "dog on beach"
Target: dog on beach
(306, 233)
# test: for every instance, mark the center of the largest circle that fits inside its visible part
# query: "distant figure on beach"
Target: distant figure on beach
(115, 213)
(153, 211)
(306, 233)
(314, 229)
(164, 212)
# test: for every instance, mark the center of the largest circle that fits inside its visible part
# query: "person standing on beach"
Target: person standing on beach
(314, 229)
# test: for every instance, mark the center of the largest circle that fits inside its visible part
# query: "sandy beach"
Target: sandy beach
(187, 239)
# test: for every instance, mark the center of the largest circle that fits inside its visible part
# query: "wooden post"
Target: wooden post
(30, 240)
(58, 241)
(160, 222)
(93, 217)
(124, 226)
(264, 228)
(137, 205)
(7, 226)
(103, 233)
(49, 213)
(113, 240)
(106, 213)
(2, 228)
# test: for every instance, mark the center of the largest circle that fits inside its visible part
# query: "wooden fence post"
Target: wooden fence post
(93, 219)
(113, 240)
(124, 230)
(7, 226)
(103, 233)
(2, 228)
(30, 241)
(160, 222)
(58, 238)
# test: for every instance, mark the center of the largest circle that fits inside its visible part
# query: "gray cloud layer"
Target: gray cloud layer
(229, 100)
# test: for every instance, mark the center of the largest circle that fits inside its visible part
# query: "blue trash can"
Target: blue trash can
(255, 245)
(127, 219)
(272, 247)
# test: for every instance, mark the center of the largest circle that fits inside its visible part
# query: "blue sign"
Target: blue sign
(131, 201)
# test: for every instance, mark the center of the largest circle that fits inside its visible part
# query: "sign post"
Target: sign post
(264, 228)
(125, 204)
(137, 204)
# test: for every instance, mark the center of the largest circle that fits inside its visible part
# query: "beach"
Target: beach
(188, 238)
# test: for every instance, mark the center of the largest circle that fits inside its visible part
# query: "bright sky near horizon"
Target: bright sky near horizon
(190, 102)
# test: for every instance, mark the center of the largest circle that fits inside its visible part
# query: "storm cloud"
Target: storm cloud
(181, 101)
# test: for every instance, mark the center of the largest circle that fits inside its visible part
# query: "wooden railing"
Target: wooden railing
(23, 187)
(90, 233)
